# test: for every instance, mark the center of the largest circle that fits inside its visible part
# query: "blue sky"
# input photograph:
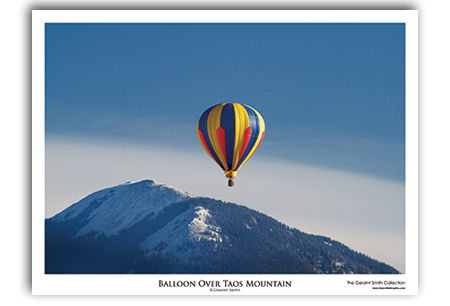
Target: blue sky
(123, 100)
(331, 94)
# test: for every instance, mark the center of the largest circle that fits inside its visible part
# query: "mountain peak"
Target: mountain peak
(146, 181)
(113, 209)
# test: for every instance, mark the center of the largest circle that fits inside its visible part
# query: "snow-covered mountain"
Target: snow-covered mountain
(148, 227)
(114, 209)
(173, 235)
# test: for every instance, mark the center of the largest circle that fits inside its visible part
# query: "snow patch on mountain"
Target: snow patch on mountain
(192, 225)
(200, 229)
(113, 209)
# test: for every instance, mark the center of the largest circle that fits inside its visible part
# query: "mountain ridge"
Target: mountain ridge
(148, 227)
(114, 213)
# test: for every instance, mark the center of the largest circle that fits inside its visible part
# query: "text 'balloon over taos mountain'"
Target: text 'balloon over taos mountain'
(230, 133)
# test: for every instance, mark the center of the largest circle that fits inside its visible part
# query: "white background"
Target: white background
(15, 158)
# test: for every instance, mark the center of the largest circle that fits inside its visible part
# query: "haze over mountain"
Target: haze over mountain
(148, 227)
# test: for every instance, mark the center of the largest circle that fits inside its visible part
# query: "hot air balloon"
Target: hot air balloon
(230, 133)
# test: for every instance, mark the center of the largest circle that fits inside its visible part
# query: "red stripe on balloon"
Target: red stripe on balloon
(260, 140)
(222, 141)
(246, 140)
(203, 142)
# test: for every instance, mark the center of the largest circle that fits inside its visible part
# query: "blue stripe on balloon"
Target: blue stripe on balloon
(255, 126)
(203, 127)
(228, 123)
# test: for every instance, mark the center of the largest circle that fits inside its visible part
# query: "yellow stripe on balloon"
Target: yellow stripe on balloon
(203, 145)
(262, 128)
(242, 122)
(213, 125)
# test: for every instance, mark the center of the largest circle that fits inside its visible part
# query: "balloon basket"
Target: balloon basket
(230, 183)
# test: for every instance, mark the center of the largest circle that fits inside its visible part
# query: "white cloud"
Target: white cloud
(365, 213)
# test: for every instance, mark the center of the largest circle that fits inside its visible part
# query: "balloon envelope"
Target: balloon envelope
(230, 133)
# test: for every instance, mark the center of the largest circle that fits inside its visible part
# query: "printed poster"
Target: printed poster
(225, 152)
